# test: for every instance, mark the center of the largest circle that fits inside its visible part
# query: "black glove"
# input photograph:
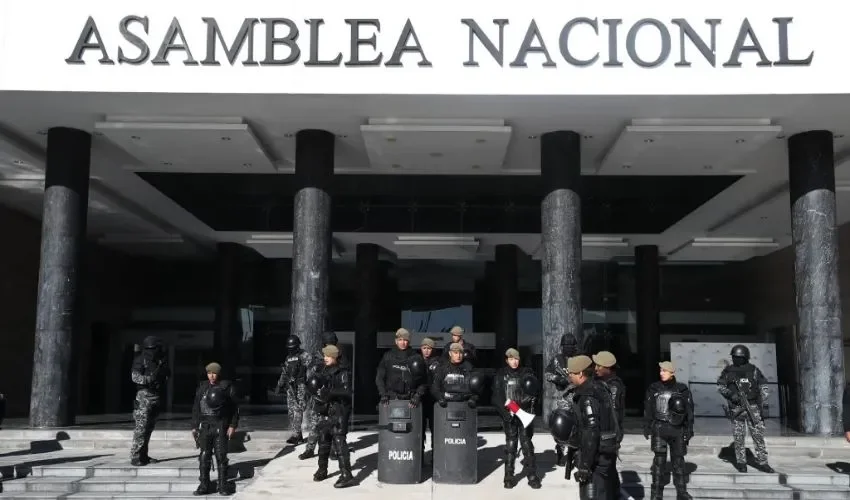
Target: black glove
(385, 399)
(414, 400)
(582, 476)
(689, 433)
(442, 403)
(472, 402)
(647, 430)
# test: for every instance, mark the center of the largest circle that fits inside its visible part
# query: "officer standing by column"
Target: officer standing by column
(745, 389)
(328, 338)
(597, 432)
(431, 363)
(215, 416)
(669, 414)
(332, 387)
(556, 373)
(293, 377)
(512, 383)
(150, 373)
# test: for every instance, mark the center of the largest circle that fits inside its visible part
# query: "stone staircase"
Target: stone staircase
(80, 464)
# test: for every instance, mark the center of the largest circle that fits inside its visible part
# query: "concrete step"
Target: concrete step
(759, 492)
(102, 496)
(103, 485)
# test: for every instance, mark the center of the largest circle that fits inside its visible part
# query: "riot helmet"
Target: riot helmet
(329, 338)
(677, 404)
(476, 383)
(315, 383)
(293, 343)
(530, 385)
(216, 396)
(740, 355)
(152, 342)
(561, 424)
(417, 367)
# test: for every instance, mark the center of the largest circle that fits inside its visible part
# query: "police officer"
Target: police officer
(470, 353)
(150, 373)
(332, 389)
(215, 416)
(745, 389)
(596, 430)
(293, 377)
(669, 421)
(519, 385)
(556, 373)
(426, 349)
(451, 380)
(395, 379)
(328, 338)
(605, 365)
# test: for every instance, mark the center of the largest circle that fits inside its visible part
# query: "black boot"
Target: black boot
(309, 452)
(510, 477)
(682, 493)
(295, 439)
(322, 472)
(224, 488)
(344, 458)
(765, 467)
(742, 468)
(205, 488)
(533, 478)
(656, 491)
(560, 457)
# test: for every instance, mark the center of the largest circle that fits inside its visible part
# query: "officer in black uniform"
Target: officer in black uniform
(470, 353)
(328, 338)
(431, 363)
(293, 379)
(332, 387)
(745, 388)
(512, 383)
(669, 414)
(396, 378)
(215, 416)
(556, 373)
(597, 432)
(451, 380)
(150, 373)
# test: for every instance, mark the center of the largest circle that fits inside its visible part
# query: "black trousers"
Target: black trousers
(603, 481)
(212, 438)
(666, 436)
(515, 434)
(333, 430)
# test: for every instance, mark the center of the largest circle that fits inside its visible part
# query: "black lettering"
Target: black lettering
(784, 58)
(475, 31)
(402, 47)
(744, 33)
(356, 42)
(246, 33)
(563, 41)
(168, 44)
(314, 60)
(135, 41)
(631, 43)
(83, 44)
(613, 61)
(526, 47)
(709, 53)
(290, 40)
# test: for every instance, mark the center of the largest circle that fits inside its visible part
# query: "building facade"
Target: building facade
(224, 176)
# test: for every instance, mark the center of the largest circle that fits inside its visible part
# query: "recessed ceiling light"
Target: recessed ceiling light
(396, 165)
(707, 167)
(18, 162)
(225, 138)
(763, 217)
(289, 136)
(532, 137)
(588, 137)
(780, 136)
(476, 167)
(135, 137)
(649, 141)
(42, 132)
(390, 138)
(167, 163)
(480, 141)
(838, 136)
(740, 141)
(247, 165)
(341, 136)
(435, 155)
(627, 166)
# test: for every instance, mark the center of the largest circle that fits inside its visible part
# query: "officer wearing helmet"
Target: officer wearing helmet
(515, 384)
(293, 378)
(215, 416)
(745, 389)
(150, 373)
(669, 414)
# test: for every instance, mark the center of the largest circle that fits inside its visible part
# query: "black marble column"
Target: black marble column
(311, 251)
(560, 167)
(366, 329)
(228, 322)
(819, 338)
(648, 310)
(59, 313)
(506, 294)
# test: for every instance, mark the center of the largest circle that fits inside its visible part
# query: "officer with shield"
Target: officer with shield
(515, 390)
(669, 414)
(215, 416)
